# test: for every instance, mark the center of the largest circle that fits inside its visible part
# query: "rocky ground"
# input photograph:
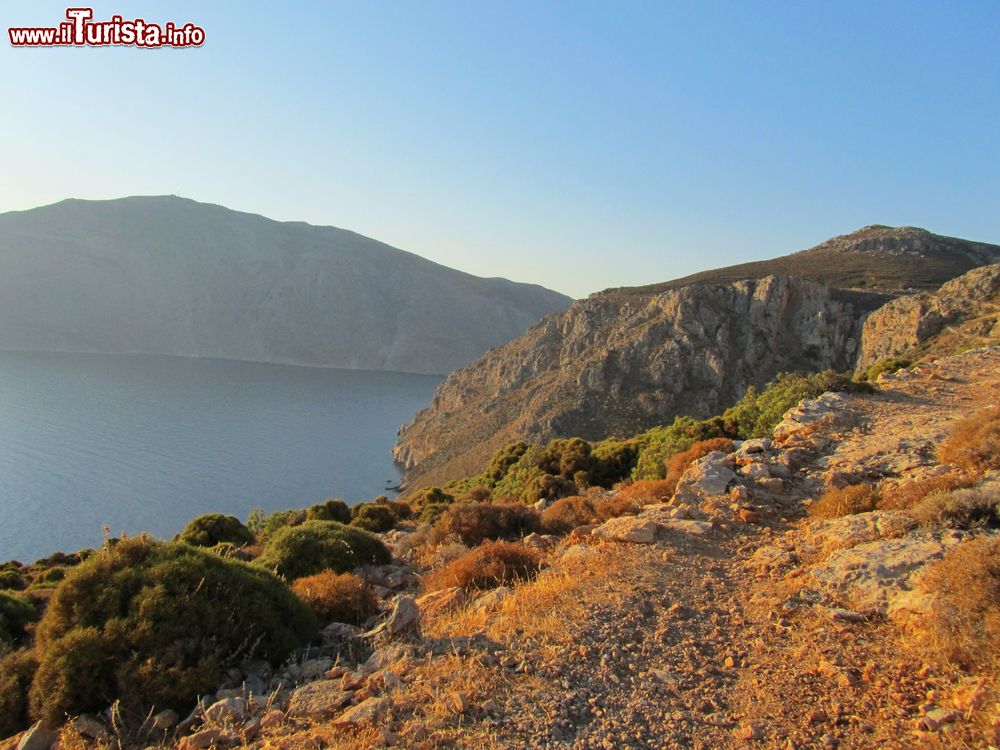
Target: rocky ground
(723, 618)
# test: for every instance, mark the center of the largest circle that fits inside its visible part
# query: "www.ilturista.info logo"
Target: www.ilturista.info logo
(80, 30)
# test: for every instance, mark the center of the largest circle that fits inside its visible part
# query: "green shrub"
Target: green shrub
(758, 412)
(264, 525)
(372, 517)
(400, 510)
(155, 624)
(16, 613)
(503, 460)
(215, 528)
(660, 444)
(431, 513)
(429, 496)
(548, 487)
(474, 523)
(12, 577)
(337, 597)
(17, 669)
(886, 365)
(332, 510)
(299, 551)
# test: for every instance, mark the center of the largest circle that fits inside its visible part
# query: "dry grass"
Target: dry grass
(570, 512)
(974, 443)
(487, 566)
(647, 491)
(681, 462)
(845, 501)
(337, 598)
(907, 495)
(958, 509)
(964, 624)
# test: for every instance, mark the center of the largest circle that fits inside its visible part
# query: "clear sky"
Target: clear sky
(578, 145)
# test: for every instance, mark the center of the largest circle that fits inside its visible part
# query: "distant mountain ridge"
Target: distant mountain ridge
(167, 275)
(625, 360)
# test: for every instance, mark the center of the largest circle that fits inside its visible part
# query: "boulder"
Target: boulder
(318, 700)
(37, 737)
(368, 711)
(227, 712)
(848, 531)
(869, 577)
(441, 601)
(709, 475)
(628, 529)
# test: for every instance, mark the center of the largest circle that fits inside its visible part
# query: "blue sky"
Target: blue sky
(578, 145)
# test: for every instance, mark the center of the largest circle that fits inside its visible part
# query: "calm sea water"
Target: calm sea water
(145, 443)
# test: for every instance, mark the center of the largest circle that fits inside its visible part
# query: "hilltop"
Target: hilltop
(167, 275)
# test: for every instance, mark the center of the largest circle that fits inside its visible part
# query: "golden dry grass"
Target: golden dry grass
(489, 565)
(843, 501)
(908, 494)
(646, 491)
(974, 443)
(337, 597)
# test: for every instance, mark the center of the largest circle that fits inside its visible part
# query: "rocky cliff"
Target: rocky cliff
(963, 313)
(612, 366)
(165, 275)
(628, 359)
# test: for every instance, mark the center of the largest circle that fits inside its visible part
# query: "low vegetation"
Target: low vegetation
(309, 548)
(845, 501)
(17, 670)
(334, 509)
(337, 597)
(893, 364)
(155, 624)
(974, 443)
(212, 529)
(964, 624)
(490, 565)
(474, 523)
(958, 509)
(909, 494)
(372, 517)
(16, 615)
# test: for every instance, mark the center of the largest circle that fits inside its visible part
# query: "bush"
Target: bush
(974, 443)
(646, 491)
(431, 513)
(566, 514)
(17, 669)
(503, 460)
(488, 566)
(266, 525)
(400, 510)
(337, 597)
(845, 501)
(11, 577)
(659, 444)
(548, 487)
(758, 412)
(474, 523)
(883, 366)
(680, 462)
(215, 528)
(964, 623)
(372, 517)
(155, 624)
(429, 496)
(958, 509)
(909, 494)
(332, 510)
(300, 551)
(16, 614)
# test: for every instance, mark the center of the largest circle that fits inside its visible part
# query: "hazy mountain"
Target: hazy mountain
(167, 275)
(624, 360)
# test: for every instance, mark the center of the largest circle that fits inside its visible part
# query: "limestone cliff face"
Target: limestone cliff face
(963, 312)
(615, 364)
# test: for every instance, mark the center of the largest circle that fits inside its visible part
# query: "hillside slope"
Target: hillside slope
(628, 359)
(166, 275)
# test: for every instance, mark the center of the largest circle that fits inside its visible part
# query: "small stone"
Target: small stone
(318, 700)
(748, 732)
(441, 601)
(272, 720)
(748, 515)
(936, 718)
(817, 716)
(91, 728)
(367, 712)
(205, 739)
(165, 720)
(730, 662)
(227, 711)
(315, 667)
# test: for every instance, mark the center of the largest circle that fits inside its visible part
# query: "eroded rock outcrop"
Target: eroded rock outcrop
(616, 365)
(962, 313)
